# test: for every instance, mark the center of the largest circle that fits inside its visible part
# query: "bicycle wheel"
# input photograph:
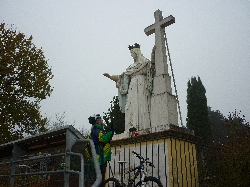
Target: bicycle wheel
(110, 182)
(150, 181)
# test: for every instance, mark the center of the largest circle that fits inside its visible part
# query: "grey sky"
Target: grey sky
(84, 39)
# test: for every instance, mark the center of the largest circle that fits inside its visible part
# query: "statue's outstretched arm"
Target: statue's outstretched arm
(112, 77)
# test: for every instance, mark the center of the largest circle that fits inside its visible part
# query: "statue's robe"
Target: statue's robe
(135, 87)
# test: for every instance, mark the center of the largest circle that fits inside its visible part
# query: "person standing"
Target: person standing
(101, 141)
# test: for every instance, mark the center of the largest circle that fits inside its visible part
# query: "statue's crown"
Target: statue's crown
(136, 45)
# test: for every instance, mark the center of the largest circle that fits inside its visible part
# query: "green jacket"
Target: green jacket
(101, 140)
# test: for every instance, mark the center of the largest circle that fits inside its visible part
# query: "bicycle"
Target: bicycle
(144, 180)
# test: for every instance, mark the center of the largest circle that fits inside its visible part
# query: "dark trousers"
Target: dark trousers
(103, 170)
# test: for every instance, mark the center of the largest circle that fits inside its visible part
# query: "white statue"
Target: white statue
(135, 87)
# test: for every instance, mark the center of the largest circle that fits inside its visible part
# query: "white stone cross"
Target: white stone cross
(159, 29)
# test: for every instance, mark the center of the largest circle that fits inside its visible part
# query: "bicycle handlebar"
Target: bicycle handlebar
(144, 160)
(138, 155)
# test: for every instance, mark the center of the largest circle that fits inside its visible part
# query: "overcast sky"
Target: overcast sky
(84, 39)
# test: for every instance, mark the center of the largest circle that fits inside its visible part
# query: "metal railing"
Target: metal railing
(22, 161)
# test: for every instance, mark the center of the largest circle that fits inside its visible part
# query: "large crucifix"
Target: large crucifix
(159, 29)
(163, 103)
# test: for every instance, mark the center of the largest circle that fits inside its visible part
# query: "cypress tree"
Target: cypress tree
(197, 110)
(114, 114)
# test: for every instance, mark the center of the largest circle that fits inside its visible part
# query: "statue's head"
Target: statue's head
(136, 45)
(135, 51)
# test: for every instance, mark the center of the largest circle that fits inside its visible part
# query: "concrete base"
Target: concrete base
(172, 152)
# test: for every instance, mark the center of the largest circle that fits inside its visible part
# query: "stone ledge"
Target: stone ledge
(153, 130)
(171, 133)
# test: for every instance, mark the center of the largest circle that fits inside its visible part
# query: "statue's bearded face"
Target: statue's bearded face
(133, 54)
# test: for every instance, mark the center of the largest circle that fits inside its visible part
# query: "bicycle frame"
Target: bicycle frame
(144, 173)
(140, 168)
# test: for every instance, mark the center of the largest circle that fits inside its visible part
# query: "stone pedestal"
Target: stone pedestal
(172, 151)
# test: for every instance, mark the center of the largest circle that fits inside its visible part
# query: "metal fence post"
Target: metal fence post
(70, 141)
(16, 152)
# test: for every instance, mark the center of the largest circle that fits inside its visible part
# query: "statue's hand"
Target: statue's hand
(106, 75)
(112, 77)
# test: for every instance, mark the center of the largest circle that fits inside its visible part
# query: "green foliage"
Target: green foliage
(24, 82)
(197, 112)
(218, 130)
(236, 125)
(233, 158)
(114, 113)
